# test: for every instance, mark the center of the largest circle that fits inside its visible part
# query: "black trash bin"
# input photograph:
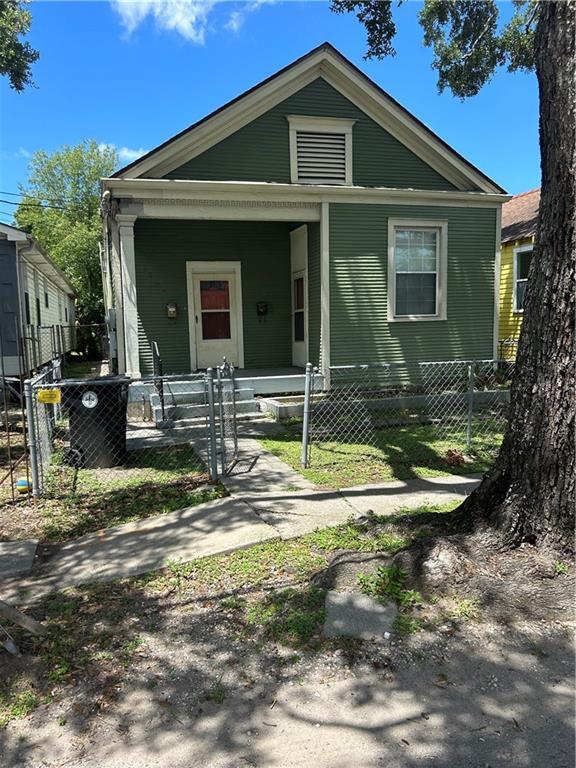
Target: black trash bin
(97, 413)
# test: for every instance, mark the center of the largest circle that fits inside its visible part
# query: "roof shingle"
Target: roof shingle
(520, 216)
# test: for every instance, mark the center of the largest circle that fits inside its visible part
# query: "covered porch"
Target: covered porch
(212, 279)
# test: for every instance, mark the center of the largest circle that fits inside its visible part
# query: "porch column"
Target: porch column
(116, 297)
(325, 292)
(129, 300)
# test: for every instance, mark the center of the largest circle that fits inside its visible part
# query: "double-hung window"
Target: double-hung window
(522, 259)
(417, 269)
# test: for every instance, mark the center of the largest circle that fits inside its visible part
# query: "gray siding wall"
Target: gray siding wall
(8, 299)
(162, 249)
(360, 332)
(260, 150)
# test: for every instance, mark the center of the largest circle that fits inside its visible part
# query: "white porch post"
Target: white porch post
(325, 292)
(129, 302)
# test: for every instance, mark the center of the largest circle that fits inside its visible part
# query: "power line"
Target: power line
(36, 197)
(33, 205)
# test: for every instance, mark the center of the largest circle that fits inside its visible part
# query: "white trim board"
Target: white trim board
(270, 193)
(327, 63)
(214, 267)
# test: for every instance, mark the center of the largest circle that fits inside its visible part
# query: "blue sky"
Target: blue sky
(134, 73)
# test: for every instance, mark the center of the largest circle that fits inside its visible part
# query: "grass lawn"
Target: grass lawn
(78, 501)
(96, 632)
(395, 453)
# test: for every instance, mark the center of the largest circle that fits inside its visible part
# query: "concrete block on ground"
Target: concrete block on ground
(351, 614)
(16, 557)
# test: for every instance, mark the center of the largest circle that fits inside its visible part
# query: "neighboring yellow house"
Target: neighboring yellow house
(519, 220)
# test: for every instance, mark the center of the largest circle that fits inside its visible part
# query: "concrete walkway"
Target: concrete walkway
(268, 500)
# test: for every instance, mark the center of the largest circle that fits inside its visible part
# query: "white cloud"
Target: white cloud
(23, 152)
(189, 18)
(125, 154)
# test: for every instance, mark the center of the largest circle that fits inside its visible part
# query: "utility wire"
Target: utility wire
(35, 197)
(33, 205)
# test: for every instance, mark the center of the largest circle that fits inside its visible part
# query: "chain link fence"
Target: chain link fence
(362, 411)
(111, 436)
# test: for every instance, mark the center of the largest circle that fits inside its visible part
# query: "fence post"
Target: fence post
(32, 444)
(470, 404)
(212, 425)
(221, 418)
(306, 420)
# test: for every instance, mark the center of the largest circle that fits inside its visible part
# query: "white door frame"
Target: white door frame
(214, 267)
(299, 268)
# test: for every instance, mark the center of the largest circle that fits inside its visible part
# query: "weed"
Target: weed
(404, 624)
(463, 608)
(561, 568)
(388, 584)
(289, 616)
(17, 699)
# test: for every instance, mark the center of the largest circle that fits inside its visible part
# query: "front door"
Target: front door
(215, 318)
(299, 273)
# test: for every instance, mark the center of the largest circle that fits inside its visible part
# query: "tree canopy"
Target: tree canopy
(468, 37)
(16, 57)
(60, 208)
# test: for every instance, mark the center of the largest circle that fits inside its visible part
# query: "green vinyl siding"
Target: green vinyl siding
(359, 328)
(260, 150)
(162, 249)
(314, 293)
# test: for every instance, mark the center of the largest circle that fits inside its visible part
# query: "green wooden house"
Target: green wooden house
(312, 218)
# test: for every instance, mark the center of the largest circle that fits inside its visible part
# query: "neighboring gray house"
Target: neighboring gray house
(312, 218)
(35, 300)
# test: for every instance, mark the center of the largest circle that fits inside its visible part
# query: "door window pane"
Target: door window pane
(299, 293)
(215, 325)
(214, 294)
(298, 326)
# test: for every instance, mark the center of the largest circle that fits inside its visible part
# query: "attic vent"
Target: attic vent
(321, 157)
(320, 150)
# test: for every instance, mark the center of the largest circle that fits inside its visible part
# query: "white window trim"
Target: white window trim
(519, 249)
(441, 271)
(320, 125)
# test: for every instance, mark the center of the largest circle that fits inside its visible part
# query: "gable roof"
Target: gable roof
(327, 62)
(520, 216)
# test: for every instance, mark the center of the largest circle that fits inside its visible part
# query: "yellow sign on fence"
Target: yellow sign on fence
(49, 396)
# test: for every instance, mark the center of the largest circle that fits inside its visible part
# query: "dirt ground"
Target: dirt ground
(475, 694)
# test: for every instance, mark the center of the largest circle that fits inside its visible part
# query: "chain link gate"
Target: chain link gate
(221, 426)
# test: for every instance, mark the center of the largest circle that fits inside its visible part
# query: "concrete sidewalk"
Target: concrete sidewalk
(222, 526)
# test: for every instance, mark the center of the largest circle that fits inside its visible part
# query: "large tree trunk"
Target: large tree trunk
(529, 494)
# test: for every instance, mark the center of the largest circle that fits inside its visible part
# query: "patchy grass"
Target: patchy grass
(395, 453)
(80, 501)
(17, 699)
(96, 632)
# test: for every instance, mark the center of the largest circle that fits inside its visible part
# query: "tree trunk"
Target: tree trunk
(529, 495)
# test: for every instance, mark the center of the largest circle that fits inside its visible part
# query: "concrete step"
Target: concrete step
(184, 396)
(198, 424)
(191, 411)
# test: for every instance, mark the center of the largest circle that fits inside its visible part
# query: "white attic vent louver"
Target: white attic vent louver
(321, 157)
(320, 150)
